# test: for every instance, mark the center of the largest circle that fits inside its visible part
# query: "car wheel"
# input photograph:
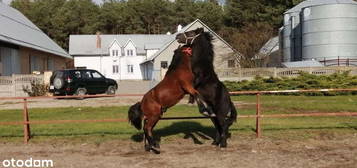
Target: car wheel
(81, 92)
(58, 83)
(111, 90)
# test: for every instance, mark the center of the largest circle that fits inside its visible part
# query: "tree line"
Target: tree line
(245, 24)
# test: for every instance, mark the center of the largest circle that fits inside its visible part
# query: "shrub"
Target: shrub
(37, 88)
(303, 81)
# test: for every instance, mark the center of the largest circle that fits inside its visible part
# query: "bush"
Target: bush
(37, 89)
(302, 82)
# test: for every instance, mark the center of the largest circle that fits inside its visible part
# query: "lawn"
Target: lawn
(299, 127)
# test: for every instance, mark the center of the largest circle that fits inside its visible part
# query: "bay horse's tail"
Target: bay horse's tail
(135, 115)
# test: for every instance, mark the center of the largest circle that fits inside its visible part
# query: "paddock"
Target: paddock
(186, 143)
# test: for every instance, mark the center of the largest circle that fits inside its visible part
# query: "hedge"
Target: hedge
(302, 82)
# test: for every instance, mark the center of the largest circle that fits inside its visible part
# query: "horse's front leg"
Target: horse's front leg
(148, 128)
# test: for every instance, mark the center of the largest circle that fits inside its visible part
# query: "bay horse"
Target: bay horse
(177, 81)
(213, 91)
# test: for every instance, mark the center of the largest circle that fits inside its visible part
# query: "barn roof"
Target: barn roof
(18, 30)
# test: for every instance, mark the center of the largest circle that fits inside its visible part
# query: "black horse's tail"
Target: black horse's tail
(233, 114)
(135, 115)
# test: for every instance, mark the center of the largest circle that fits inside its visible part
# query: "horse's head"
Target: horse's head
(189, 36)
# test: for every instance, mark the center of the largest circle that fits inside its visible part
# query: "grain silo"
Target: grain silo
(320, 30)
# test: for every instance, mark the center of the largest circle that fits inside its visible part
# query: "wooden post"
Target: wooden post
(324, 61)
(26, 124)
(338, 60)
(257, 122)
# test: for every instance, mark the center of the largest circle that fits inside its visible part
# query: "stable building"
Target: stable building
(24, 48)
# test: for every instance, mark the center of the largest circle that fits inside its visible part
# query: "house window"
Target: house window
(130, 68)
(113, 52)
(164, 64)
(50, 64)
(115, 69)
(231, 64)
(129, 52)
(116, 53)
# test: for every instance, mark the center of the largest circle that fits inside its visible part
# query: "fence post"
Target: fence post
(257, 122)
(240, 73)
(13, 85)
(275, 72)
(26, 123)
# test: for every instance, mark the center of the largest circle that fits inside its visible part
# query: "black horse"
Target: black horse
(214, 93)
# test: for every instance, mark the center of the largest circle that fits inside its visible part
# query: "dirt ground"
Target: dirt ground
(246, 152)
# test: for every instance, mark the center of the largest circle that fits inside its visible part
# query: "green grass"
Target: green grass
(300, 127)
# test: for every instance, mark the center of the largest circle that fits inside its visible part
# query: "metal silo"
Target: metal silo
(292, 38)
(330, 31)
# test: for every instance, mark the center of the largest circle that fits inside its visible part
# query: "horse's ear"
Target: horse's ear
(199, 30)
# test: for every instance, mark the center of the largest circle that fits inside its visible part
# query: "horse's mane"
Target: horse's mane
(204, 54)
(176, 60)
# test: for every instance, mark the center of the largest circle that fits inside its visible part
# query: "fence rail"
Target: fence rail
(250, 73)
(27, 131)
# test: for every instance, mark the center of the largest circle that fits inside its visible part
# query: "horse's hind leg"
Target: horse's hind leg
(218, 127)
(148, 127)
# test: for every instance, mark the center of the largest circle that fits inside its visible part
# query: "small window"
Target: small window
(129, 52)
(113, 52)
(231, 64)
(96, 75)
(116, 53)
(130, 68)
(115, 69)
(164, 64)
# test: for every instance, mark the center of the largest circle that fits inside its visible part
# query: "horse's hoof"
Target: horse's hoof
(155, 151)
(223, 145)
(157, 145)
(215, 143)
(213, 115)
(206, 114)
(147, 148)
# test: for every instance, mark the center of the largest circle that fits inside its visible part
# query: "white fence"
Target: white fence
(238, 74)
(11, 86)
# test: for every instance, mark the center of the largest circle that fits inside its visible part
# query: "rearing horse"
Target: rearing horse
(176, 83)
(213, 91)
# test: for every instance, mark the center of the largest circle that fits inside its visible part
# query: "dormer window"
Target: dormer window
(129, 52)
(115, 53)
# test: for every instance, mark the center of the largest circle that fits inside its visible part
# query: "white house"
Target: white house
(115, 56)
(138, 56)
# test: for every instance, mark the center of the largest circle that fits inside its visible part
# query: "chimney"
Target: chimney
(99, 40)
(179, 27)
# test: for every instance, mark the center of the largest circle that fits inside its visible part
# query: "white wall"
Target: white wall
(104, 64)
(90, 62)
(151, 52)
(131, 60)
